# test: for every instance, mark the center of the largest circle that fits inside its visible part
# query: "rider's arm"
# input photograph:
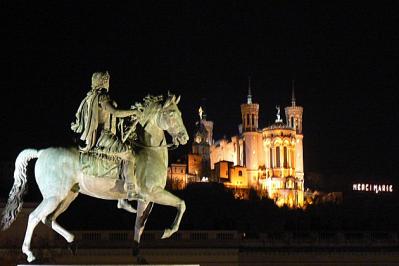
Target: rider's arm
(117, 113)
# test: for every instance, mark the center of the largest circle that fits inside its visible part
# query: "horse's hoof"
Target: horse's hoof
(167, 233)
(136, 248)
(30, 257)
(70, 238)
(28, 253)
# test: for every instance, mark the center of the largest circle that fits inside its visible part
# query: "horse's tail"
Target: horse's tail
(15, 200)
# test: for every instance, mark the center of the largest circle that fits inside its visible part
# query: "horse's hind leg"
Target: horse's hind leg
(47, 206)
(143, 211)
(164, 197)
(51, 219)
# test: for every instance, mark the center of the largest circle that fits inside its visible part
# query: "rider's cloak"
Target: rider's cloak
(87, 119)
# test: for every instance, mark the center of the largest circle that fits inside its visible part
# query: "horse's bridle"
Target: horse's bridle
(170, 146)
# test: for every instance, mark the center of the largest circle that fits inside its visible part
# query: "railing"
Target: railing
(207, 239)
(235, 239)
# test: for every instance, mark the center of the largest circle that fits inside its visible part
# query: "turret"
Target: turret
(249, 113)
(293, 115)
(252, 139)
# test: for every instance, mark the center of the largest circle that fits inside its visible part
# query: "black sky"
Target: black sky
(343, 57)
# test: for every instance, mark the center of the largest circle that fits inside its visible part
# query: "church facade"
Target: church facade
(268, 160)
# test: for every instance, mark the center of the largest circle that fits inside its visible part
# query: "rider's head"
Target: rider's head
(100, 80)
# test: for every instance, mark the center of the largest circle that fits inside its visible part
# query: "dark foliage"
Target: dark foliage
(210, 206)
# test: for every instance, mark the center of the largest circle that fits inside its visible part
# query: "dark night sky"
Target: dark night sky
(343, 57)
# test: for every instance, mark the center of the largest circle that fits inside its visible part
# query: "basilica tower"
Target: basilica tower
(249, 113)
(252, 139)
(199, 159)
(293, 116)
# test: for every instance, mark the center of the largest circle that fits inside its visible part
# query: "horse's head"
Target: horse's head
(169, 119)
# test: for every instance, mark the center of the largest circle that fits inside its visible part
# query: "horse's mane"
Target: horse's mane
(149, 108)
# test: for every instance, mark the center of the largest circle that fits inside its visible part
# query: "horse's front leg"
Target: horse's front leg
(161, 196)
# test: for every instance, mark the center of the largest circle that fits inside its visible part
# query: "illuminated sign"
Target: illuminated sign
(377, 188)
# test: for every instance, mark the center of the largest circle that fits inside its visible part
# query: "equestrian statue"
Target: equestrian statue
(124, 157)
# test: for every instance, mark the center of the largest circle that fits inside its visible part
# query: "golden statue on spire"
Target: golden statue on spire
(200, 112)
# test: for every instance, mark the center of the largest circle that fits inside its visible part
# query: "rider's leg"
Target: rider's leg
(130, 182)
(130, 178)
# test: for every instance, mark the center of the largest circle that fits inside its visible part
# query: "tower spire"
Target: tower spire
(293, 93)
(249, 98)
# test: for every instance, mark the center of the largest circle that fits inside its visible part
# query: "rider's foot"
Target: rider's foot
(124, 204)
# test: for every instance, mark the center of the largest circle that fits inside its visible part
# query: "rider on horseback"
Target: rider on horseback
(96, 122)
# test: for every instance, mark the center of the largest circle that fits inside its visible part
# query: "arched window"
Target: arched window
(290, 184)
(277, 157)
(240, 173)
(285, 157)
(271, 158)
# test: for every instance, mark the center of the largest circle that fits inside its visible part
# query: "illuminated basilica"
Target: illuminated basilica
(269, 160)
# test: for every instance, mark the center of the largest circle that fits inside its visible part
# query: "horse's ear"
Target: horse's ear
(177, 100)
(171, 99)
(167, 102)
